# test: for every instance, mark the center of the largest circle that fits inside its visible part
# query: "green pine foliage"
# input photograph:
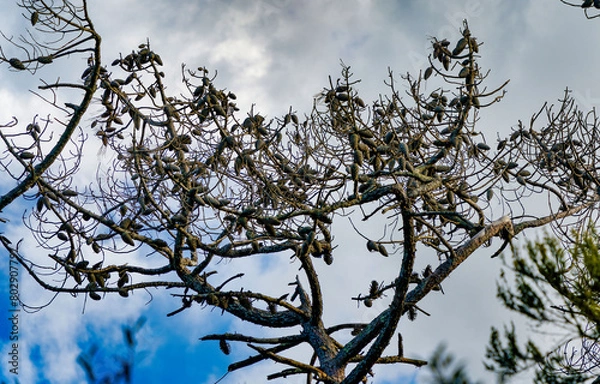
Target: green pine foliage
(557, 289)
(445, 369)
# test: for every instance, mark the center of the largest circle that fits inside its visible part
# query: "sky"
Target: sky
(273, 55)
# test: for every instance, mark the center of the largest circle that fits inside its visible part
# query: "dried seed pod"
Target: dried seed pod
(211, 201)
(343, 96)
(391, 164)
(372, 246)
(515, 135)
(443, 168)
(389, 137)
(428, 73)
(260, 144)
(26, 155)
(224, 346)
(271, 230)
(125, 223)
(238, 165)
(100, 280)
(364, 147)
(268, 221)
(446, 62)
(102, 236)
(40, 203)
(219, 111)
(17, 64)
(123, 279)
(358, 156)
(403, 148)
(94, 295)
(69, 193)
(501, 145)
(35, 16)
(400, 345)
(460, 46)
(160, 243)
(366, 134)
(199, 91)
(383, 149)
(73, 273)
(381, 249)
(358, 101)
(354, 171)
(127, 239)
(450, 197)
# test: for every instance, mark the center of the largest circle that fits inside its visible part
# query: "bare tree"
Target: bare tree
(28, 154)
(193, 184)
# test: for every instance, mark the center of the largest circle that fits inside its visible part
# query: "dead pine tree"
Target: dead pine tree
(194, 183)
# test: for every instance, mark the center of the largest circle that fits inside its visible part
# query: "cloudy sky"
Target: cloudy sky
(274, 54)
